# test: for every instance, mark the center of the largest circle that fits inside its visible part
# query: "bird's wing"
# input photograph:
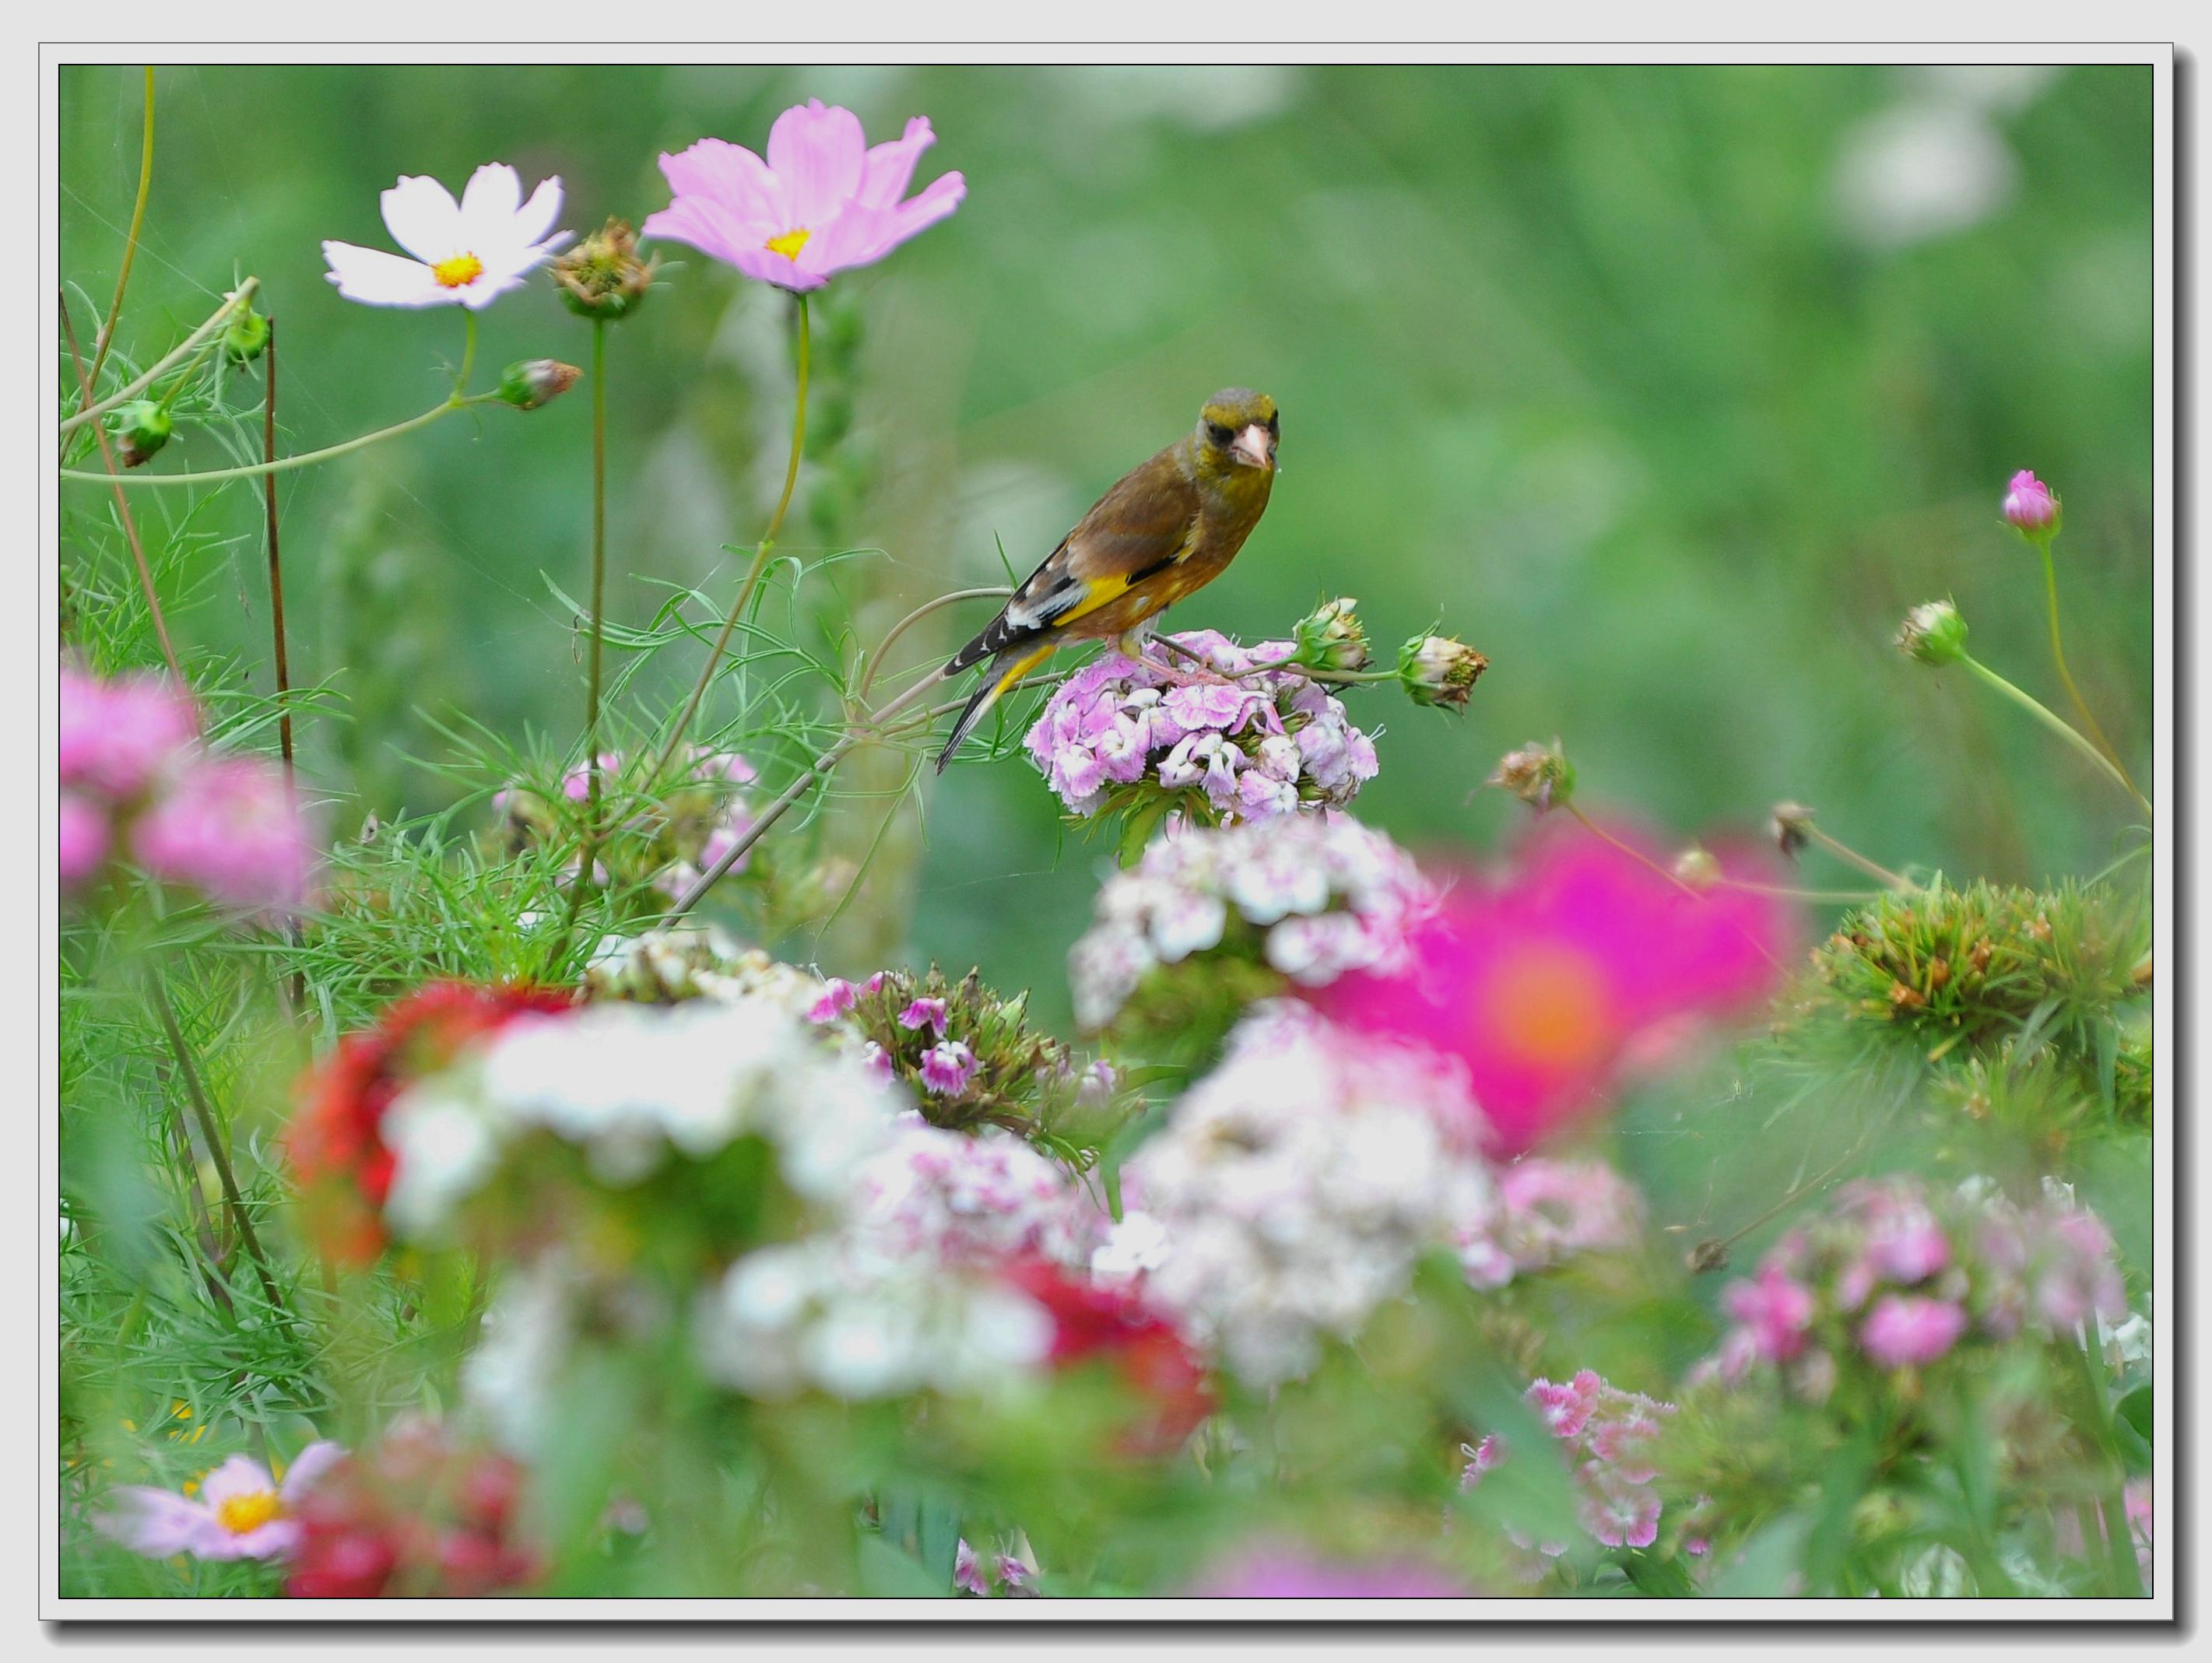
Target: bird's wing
(1145, 524)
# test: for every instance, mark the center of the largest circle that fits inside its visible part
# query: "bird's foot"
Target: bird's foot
(1198, 672)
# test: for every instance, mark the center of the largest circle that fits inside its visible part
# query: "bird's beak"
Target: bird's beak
(1254, 446)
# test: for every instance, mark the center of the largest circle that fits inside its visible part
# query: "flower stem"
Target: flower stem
(184, 378)
(760, 556)
(304, 458)
(2066, 675)
(994, 591)
(1840, 897)
(122, 507)
(592, 827)
(468, 353)
(2056, 724)
(275, 566)
(1851, 857)
(177, 355)
(129, 241)
(1635, 854)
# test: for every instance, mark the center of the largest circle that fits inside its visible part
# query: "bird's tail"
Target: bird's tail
(1012, 664)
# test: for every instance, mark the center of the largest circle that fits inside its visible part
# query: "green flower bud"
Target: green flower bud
(602, 275)
(1933, 633)
(1439, 671)
(140, 429)
(1331, 638)
(246, 337)
(1540, 775)
(536, 381)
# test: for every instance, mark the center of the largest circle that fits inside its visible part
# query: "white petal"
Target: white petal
(491, 199)
(535, 218)
(423, 217)
(376, 278)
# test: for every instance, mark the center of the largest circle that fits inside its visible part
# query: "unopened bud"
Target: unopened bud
(246, 337)
(1696, 868)
(140, 427)
(1439, 671)
(602, 275)
(1331, 638)
(2031, 508)
(1933, 633)
(536, 381)
(1540, 775)
(1792, 828)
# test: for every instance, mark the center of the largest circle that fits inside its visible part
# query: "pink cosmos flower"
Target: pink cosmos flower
(231, 826)
(1903, 1329)
(467, 253)
(115, 737)
(1548, 982)
(241, 1512)
(81, 837)
(945, 1068)
(2029, 506)
(1274, 1571)
(822, 201)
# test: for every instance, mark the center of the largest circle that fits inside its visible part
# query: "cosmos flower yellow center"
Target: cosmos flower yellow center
(789, 243)
(458, 272)
(1548, 1006)
(240, 1514)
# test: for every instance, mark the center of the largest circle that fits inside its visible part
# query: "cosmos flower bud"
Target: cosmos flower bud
(1696, 868)
(1439, 671)
(140, 427)
(1933, 633)
(1792, 826)
(1331, 638)
(246, 336)
(1540, 775)
(2031, 508)
(602, 275)
(536, 381)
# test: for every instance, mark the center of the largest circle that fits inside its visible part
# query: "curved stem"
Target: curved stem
(1851, 857)
(994, 591)
(760, 555)
(304, 459)
(129, 241)
(2066, 676)
(1633, 854)
(240, 296)
(2056, 724)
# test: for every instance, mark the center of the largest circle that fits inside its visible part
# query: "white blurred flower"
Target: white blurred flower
(467, 253)
(1920, 170)
(944, 1196)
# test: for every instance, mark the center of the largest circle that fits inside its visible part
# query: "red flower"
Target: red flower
(1096, 1321)
(336, 1142)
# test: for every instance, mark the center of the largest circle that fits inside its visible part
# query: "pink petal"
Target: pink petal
(309, 1468)
(817, 152)
(889, 167)
(732, 178)
(157, 1522)
(242, 1475)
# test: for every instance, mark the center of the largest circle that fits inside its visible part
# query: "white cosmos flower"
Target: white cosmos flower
(466, 253)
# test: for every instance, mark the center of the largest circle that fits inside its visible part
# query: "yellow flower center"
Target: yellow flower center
(239, 1514)
(1549, 1008)
(789, 243)
(458, 272)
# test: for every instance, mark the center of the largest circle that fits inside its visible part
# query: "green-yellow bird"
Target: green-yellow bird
(1168, 528)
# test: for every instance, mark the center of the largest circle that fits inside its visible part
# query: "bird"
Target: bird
(1167, 528)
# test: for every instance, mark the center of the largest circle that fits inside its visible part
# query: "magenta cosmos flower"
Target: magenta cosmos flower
(1582, 960)
(467, 253)
(2029, 506)
(240, 1512)
(823, 203)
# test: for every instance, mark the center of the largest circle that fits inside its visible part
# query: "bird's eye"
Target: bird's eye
(1218, 434)
(1275, 424)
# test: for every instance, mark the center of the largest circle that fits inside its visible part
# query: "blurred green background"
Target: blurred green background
(1669, 389)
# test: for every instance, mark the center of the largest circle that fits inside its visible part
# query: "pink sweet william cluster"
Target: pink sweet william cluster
(1898, 1275)
(1268, 741)
(1547, 1212)
(139, 787)
(1606, 1434)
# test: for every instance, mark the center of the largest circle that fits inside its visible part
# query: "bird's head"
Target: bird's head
(1238, 429)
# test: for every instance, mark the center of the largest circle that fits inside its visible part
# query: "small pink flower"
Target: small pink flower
(945, 1068)
(878, 1062)
(929, 1013)
(242, 1513)
(2029, 506)
(81, 838)
(837, 998)
(230, 826)
(576, 783)
(1566, 1409)
(822, 201)
(1482, 1458)
(1281, 1571)
(1904, 1330)
(1775, 1312)
(116, 737)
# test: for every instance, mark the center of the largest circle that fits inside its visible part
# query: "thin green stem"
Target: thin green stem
(592, 827)
(184, 377)
(2056, 724)
(1851, 857)
(2066, 676)
(994, 591)
(129, 241)
(304, 459)
(760, 555)
(240, 296)
(1633, 854)
(468, 353)
(1840, 897)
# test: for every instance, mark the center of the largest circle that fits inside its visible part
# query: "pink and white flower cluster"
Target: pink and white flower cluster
(138, 785)
(1898, 1274)
(944, 1195)
(1606, 1435)
(1547, 1212)
(1269, 742)
(1310, 896)
(1293, 1189)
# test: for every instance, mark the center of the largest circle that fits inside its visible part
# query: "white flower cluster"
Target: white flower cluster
(1292, 1190)
(631, 1085)
(941, 1196)
(697, 961)
(1327, 895)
